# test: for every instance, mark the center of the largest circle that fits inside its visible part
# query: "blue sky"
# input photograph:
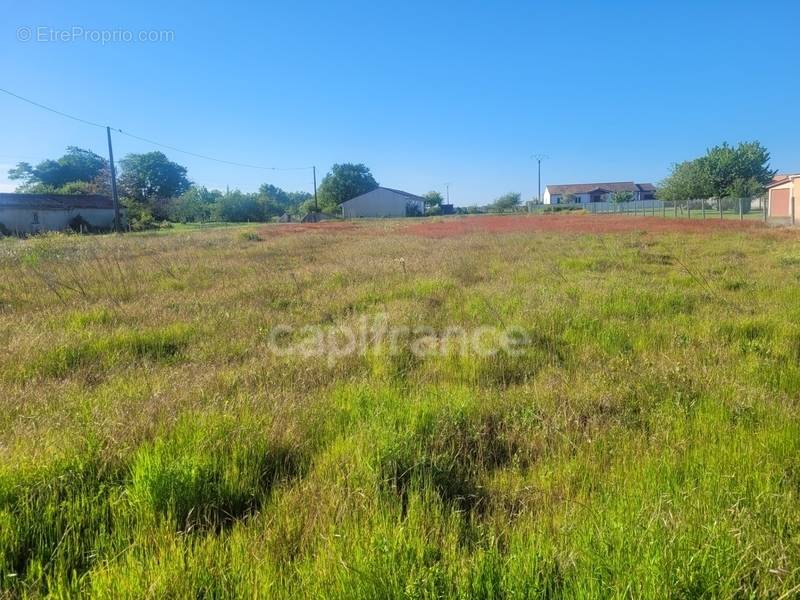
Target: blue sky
(422, 92)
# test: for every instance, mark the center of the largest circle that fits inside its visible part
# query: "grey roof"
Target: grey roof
(402, 193)
(586, 188)
(55, 201)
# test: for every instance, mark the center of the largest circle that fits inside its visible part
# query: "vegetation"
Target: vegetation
(151, 180)
(78, 171)
(345, 181)
(725, 171)
(508, 202)
(155, 189)
(433, 202)
(620, 197)
(645, 442)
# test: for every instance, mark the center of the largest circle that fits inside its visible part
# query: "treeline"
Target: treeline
(725, 171)
(154, 189)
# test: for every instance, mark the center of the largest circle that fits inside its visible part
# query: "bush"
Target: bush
(80, 225)
(140, 218)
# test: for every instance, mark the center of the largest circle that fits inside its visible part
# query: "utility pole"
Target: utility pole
(447, 188)
(539, 158)
(114, 197)
(316, 206)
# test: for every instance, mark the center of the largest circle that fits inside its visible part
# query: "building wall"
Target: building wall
(379, 203)
(780, 197)
(24, 220)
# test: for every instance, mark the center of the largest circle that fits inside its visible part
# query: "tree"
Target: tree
(345, 181)
(506, 202)
(277, 201)
(151, 179)
(239, 207)
(618, 197)
(195, 205)
(49, 176)
(725, 171)
(433, 202)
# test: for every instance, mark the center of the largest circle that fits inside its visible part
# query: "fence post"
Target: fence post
(663, 209)
(675, 207)
(719, 201)
(765, 206)
(741, 209)
(703, 208)
(792, 210)
(689, 208)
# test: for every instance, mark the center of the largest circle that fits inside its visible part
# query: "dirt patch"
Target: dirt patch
(573, 224)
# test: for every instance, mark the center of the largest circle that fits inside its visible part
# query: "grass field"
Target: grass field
(643, 441)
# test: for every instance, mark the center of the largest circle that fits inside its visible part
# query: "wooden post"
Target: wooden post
(703, 208)
(719, 200)
(792, 210)
(741, 209)
(114, 196)
(689, 208)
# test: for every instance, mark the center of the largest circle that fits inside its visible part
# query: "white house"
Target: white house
(32, 213)
(580, 193)
(383, 202)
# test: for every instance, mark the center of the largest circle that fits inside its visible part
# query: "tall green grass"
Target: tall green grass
(645, 442)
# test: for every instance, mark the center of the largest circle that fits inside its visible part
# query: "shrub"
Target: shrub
(80, 225)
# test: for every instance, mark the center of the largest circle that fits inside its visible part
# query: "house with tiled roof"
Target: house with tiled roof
(580, 193)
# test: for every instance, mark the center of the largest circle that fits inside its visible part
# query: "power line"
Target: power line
(149, 141)
(52, 110)
(203, 156)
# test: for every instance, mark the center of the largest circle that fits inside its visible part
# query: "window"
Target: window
(35, 218)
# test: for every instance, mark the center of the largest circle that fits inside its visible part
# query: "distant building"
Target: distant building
(382, 203)
(32, 213)
(580, 193)
(783, 190)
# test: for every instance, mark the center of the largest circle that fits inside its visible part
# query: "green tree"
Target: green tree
(507, 202)
(239, 207)
(618, 197)
(278, 201)
(688, 180)
(433, 202)
(725, 171)
(195, 205)
(151, 179)
(76, 165)
(345, 181)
